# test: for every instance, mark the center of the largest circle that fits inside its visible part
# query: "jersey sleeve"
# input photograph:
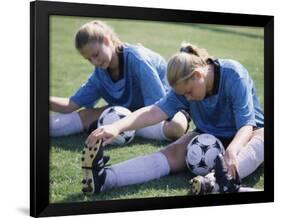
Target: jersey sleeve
(242, 102)
(151, 85)
(87, 95)
(171, 104)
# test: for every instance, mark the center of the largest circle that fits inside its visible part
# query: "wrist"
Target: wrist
(119, 127)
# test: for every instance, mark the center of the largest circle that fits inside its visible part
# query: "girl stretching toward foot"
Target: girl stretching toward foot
(221, 98)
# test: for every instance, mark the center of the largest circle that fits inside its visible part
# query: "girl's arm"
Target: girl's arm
(143, 117)
(62, 105)
(241, 98)
(241, 138)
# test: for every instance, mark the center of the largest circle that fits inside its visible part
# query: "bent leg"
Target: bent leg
(88, 116)
(65, 124)
(248, 160)
(166, 130)
(72, 123)
(152, 132)
(177, 127)
(252, 155)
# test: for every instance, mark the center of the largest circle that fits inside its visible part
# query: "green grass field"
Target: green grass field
(68, 71)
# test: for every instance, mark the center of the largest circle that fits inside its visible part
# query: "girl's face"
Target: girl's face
(193, 89)
(98, 54)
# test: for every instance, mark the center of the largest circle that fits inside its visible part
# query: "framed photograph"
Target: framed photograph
(87, 58)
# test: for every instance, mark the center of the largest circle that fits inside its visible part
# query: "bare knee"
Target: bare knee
(176, 128)
(175, 155)
(176, 152)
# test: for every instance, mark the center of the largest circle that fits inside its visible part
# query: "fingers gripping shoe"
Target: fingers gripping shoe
(202, 184)
(226, 183)
(93, 163)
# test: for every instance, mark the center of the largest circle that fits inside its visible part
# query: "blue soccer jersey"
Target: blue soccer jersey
(143, 81)
(233, 105)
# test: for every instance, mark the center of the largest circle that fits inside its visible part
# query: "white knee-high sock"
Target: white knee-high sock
(65, 124)
(250, 157)
(153, 132)
(137, 170)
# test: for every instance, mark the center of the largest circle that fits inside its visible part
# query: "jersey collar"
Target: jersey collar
(217, 73)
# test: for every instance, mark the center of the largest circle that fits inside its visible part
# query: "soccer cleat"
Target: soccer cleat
(201, 185)
(93, 163)
(226, 183)
(220, 181)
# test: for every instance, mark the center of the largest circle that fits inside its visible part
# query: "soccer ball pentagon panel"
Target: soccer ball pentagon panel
(112, 114)
(201, 153)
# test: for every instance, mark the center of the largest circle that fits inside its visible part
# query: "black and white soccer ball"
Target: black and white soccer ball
(201, 153)
(112, 114)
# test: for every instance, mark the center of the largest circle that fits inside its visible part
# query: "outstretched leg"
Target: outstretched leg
(141, 169)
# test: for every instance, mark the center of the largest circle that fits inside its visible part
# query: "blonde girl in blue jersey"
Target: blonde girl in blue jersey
(127, 75)
(221, 99)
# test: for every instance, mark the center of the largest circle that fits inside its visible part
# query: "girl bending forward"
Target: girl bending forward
(221, 98)
(127, 75)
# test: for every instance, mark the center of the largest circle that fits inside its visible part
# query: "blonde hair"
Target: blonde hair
(95, 31)
(182, 65)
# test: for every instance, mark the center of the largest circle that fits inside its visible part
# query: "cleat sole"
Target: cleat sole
(88, 156)
(196, 185)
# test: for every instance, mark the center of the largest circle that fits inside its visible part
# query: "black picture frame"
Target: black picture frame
(39, 106)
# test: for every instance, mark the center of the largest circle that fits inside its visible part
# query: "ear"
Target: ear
(106, 40)
(197, 74)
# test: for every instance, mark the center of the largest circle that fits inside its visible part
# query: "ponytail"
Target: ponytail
(193, 50)
(182, 65)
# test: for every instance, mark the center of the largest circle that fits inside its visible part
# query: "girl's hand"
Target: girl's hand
(231, 162)
(107, 133)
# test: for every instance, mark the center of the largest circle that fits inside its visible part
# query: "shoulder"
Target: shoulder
(140, 53)
(235, 77)
(173, 96)
(172, 99)
(232, 69)
(97, 75)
